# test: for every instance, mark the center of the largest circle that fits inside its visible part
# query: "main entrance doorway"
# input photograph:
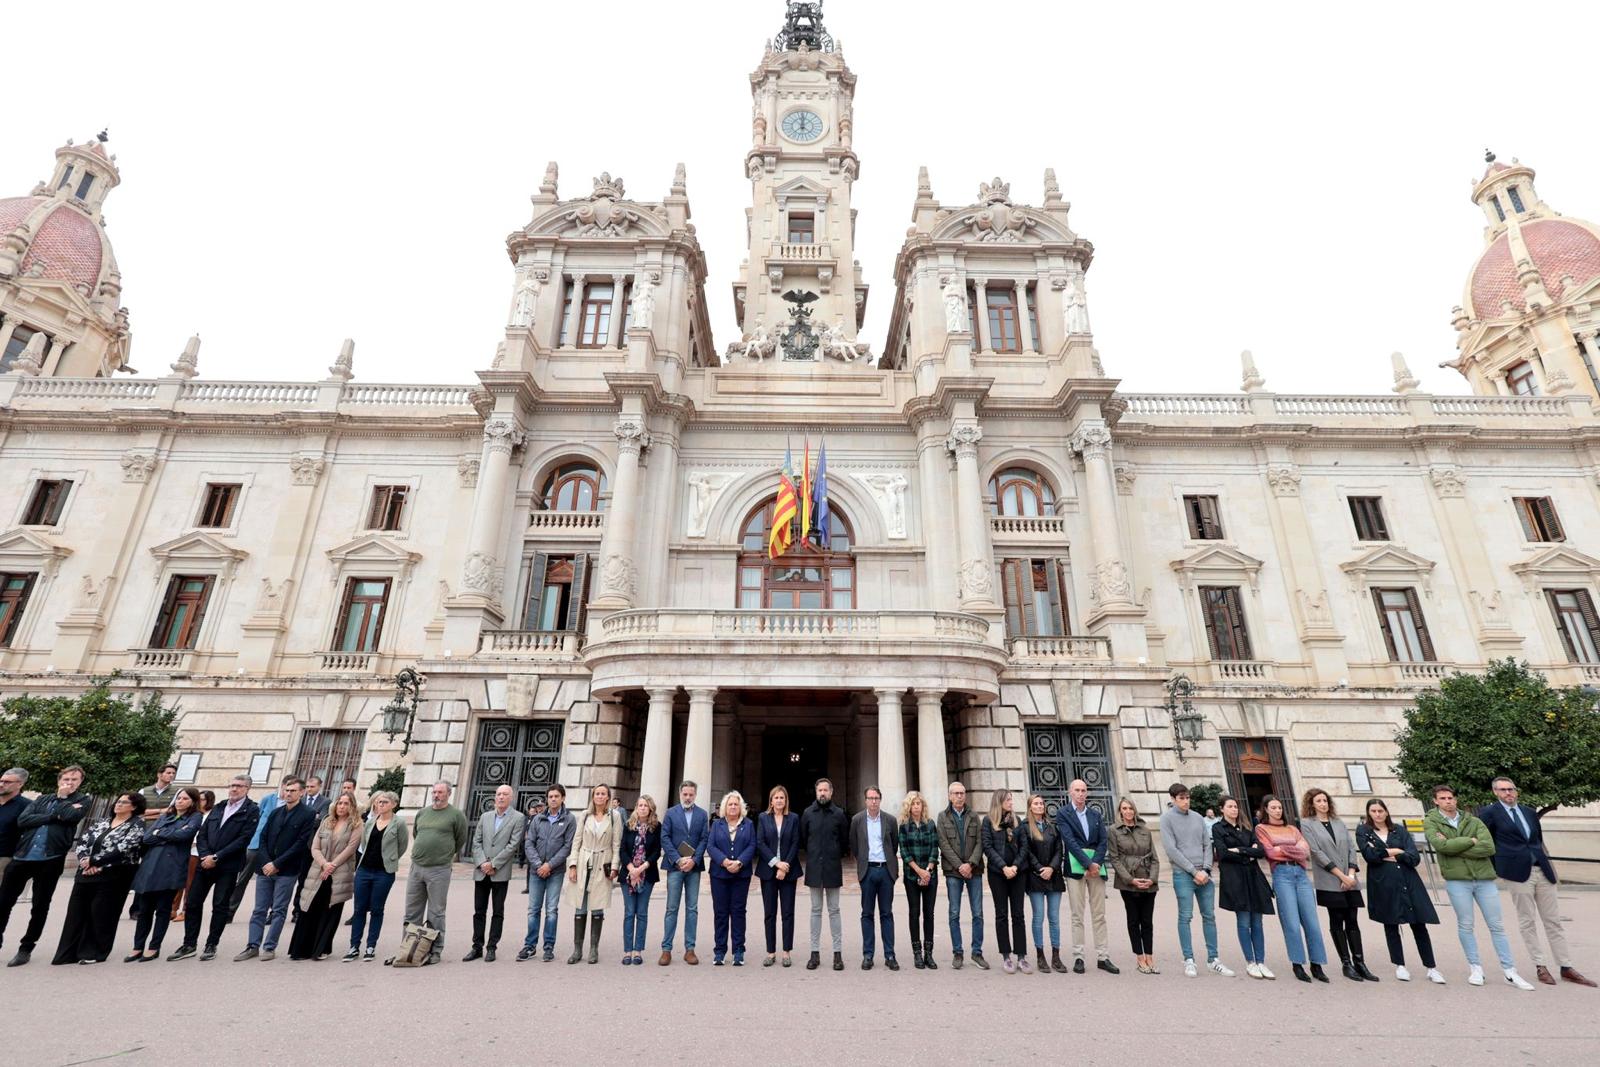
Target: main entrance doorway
(1256, 768)
(794, 758)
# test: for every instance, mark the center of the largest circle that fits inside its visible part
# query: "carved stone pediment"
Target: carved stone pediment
(372, 548)
(1218, 563)
(1560, 564)
(1390, 563)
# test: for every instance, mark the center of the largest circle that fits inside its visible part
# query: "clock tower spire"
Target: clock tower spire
(800, 223)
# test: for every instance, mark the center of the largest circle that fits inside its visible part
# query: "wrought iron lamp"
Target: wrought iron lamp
(1188, 725)
(400, 714)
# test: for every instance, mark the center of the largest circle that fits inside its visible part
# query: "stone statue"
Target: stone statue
(1074, 308)
(834, 344)
(270, 599)
(644, 301)
(890, 490)
(955, 305)
(704, 488)
(758, 344)
(527, 298)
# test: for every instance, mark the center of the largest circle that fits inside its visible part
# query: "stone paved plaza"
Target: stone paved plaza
(223, 1013)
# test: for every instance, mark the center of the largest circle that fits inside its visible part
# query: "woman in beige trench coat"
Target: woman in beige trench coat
(592, 870)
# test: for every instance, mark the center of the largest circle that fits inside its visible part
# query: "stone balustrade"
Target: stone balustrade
(1424, 673)
(1071, 649)
(171, 660)
(796, 624)
(1028, 526)
(548, 643)
(221, 397)
(804, 252)
(1242, 670)
(568, 522)
(346, 662)
(1370, 410)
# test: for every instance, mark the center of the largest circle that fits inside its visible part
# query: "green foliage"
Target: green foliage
(120, 746)
(393, 780)
(1509, 721)
(1208, 797)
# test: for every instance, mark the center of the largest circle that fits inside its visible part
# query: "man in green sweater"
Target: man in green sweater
(1465, 847)
(439, 833)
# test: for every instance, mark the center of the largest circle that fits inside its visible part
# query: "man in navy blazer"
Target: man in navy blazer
(685, 833)
(221, 848)
(1084, 833)
(1528, 878)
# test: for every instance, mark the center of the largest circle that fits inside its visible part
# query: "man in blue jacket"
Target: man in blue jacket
(1527, 879)
(285, 852)
(1085, 835)
(685, 833)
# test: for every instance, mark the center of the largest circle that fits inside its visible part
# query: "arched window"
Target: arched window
(1020, 491)
(575, 486)
(807, 576)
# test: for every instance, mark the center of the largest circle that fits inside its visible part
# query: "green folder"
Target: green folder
(1078, 868)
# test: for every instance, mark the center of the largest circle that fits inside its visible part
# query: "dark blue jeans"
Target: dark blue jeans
(372, 890)
(877, 891)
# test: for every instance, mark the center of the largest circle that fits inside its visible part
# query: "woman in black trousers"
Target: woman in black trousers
(1398, 896)
(163, 871)
(778, 867)
(919, 857)
(1003, 848)
(108, 858)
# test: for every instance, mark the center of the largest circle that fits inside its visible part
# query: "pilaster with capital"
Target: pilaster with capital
(975, 579)
(619, 573)
(981, 313)
(1111, 584)
(482, 574)
(1024, 325)
(619, 283)
(1465, 543)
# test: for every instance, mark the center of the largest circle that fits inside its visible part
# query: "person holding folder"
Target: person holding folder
(1085, 834)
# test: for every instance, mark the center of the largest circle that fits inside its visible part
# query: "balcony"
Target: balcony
(568, 523)
(801, 252)
(1247, 671)
(794, 649)
(545, 644)
(1061, 649)
(347, 662)
(1424, 674)
(162, 660)
(1036, 529)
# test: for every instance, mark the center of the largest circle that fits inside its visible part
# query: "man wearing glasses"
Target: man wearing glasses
(12, 804)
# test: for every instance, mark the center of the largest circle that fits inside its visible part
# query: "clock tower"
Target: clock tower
(800, 225)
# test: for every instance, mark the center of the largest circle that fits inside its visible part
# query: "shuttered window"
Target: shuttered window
(1404, 631)
(1367, 512)
(14, 592)
(182, 611)
(1205, 518)
(1577, 622)
(1539, 520)
(388, 507)
(558, 592)
(1035, 598)
(1226, 632)
(217, 511)
(366, 602)
(49, 498)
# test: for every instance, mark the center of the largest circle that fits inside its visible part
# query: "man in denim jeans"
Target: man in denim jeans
(685, 833)
(285, 852)
(1186, 839)
(546, 843)
(1465, 850)
(961, 859)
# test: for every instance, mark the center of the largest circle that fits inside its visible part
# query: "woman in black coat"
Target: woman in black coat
(1004, 851)
(163, 871)
(108, 858)
(1044, 851)
(1398, 896)
(1245, 891)
(641, 869)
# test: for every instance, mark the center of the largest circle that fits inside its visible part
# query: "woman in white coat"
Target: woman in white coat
(592, 870)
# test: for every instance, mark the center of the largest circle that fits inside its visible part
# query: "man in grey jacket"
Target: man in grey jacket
(1186, 839)
(546, 844)
(494, 846)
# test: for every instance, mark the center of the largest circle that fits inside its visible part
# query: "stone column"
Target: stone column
(697, 742)
(655, 774)
(53, 359)
(1024, 327)
(981, 313)
(933, 767)
(618, 282)
(1112, 585)
(482, 575)
(976, 572)
(6, 330)
(891, 748)
(575, 312)
(939, 540)
(619, 575)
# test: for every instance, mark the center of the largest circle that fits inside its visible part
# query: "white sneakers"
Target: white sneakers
(1222, 968)
(1189, 970)
(1401, 973)
(1517, 980)
(1268, 975)
(1252, 970)
(1476, 977)
(1434, 976)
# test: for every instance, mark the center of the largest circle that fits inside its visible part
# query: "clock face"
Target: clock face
(802, 126)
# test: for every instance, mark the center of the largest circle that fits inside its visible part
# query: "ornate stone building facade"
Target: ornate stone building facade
(572, 549)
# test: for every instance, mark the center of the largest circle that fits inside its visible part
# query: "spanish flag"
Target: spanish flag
(783, 510)
(805, 496)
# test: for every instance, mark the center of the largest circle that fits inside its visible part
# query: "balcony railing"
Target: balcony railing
(1424, 673)
(1415, 407)
(1241, 670)
(568, 521)
(795, 625)
(174, 660)
(1028, 525)
(1060, 649)
(551, 643)
(804, 252)
(347, 662)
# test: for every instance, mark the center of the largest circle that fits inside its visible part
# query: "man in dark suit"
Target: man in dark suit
(220, 845)
(316, 802)
(285, 852)
(1527, 878)
(1085, 835)
(685, 833)
(875, 843)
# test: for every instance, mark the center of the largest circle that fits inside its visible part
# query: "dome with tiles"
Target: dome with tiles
(63, 242)
(1559, 249)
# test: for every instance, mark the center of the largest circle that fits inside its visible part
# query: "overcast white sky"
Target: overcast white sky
(1252, 175)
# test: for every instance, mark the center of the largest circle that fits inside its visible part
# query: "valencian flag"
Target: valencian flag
(783, 510)
(821, 517)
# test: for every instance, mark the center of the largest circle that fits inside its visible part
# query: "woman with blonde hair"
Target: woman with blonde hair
(732, 849)
(919, 850)
(1003, 848)
(330, 880)
(641, 862)
(384, 839)
(1045, 854)
(592, 869)
(778, 867)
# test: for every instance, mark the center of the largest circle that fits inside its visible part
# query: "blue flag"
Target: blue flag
(822, 517)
